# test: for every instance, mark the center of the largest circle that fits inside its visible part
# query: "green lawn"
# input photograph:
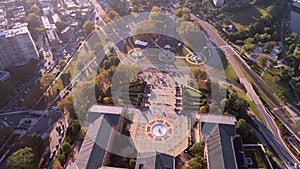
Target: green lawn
(243, 18)
(298, 124)
(134, 92)
(192, 93)
(280, 88)
(268, 79)
(230, 73)
(259, 93)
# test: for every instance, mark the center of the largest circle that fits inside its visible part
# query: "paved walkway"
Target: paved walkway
(161, 111)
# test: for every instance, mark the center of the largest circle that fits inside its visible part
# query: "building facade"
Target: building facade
(16, 47)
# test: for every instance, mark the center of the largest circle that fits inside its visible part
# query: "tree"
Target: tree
(197, 149)
(262, 60)
(61, 64)
(241, 127)
(191, 34)
(135, 8)
(107, 100)
(88, 27)
(237, 105)
(22, 159)
(33, 20)
(179, 12)
(78, 12)
(61, 157)
(72, 132)
(75, 126)
(40, 30)
(203, 109)
(66, 104)
(248, 47)
(57, 165)
(197, 163)
(106, 64)
(241, 124)
(66, 79)
(35, 9)
(199, 74)
(46, 80)
(120, 102)
(66, 147)
(61, 25)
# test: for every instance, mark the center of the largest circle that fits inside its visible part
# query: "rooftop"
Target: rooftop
(46, 22)
(14, 32)
(215, 118)
(105, 109)
(218, 132)
(154, 160)
(95, 144)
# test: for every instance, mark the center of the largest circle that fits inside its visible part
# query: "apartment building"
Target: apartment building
(16, 47)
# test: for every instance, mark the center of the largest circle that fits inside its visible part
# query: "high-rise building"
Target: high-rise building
(16, 47)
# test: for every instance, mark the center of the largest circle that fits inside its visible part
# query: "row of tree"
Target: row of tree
(291, 73)
(266, 28)
(198, 161)
(27, 152)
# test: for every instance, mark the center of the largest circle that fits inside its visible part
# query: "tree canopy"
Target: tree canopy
(22, 159)
(88, 27)
(46, 80)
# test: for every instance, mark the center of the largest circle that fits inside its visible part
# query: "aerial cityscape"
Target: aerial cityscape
(150, 84)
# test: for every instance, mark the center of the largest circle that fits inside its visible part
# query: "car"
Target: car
(54, 108)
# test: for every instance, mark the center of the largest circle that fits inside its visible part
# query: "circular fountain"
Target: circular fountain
(137, 54)
(159, 130)
(197, 58)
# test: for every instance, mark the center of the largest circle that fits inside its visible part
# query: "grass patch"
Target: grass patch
(230, 73)
(259, 93)
(281, 88)
(244, 17)
(268, 78)
(192, 93)
(298, 124)
(192, 100)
